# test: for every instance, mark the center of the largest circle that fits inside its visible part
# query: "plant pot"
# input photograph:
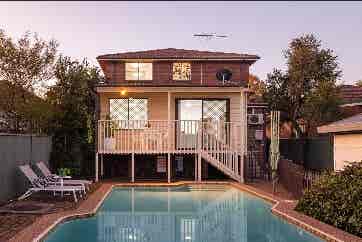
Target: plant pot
(110, 143)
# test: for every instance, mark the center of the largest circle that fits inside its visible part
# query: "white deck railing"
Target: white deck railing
(162, 136)
(220, 143)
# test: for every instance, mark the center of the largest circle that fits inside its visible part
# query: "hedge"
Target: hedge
(336, 199)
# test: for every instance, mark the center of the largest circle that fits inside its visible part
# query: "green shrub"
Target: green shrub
(69, 171)
(336, 199)
(64, 172)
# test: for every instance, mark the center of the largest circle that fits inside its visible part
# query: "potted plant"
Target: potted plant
(109, 139)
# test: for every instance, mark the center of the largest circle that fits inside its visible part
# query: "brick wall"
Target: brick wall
(291, 176)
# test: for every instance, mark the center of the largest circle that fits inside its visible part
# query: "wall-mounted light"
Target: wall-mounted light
(124, 92)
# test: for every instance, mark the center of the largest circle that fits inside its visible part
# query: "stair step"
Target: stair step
(226, 170)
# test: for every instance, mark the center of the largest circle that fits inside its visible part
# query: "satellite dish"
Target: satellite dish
(224, 75)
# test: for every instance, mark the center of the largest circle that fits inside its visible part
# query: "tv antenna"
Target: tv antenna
(209, 36)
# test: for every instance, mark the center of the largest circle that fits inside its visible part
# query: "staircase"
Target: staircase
(220, 151)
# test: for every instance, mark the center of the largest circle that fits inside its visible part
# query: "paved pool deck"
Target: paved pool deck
(282, 207)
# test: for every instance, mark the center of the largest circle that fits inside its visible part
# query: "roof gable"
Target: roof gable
(353, 123)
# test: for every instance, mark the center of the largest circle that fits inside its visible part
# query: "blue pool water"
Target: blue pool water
(197, 213)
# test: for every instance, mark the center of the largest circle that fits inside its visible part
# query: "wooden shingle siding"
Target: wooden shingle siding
(162, 72)
(202, 72)
(244, 72)
(211, 69)
(196, 72)
(119, 72)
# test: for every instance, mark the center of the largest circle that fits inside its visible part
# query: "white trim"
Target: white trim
(143, 89)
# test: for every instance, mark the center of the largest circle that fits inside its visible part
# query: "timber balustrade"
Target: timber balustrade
(218, 142)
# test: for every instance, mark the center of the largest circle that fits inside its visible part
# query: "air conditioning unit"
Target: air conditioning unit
(255, 118)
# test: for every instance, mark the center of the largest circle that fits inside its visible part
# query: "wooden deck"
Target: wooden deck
(219, 143)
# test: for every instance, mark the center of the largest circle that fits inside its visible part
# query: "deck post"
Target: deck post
(199, 167)
(244, 123)
(102, 167)
(132, 179)
(168, 199)
(168, 167)
(199, 143)
(196, 167)
(132, 199)
(96, 167)
(169, 137)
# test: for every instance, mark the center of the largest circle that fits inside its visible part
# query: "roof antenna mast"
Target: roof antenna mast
(209, 36)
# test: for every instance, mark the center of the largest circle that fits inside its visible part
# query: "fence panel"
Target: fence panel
(293, 149)
(313, 153)
(319, 153)
(17, 150)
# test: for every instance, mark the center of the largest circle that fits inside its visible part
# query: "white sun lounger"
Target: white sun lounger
(42, 185)
(55, 178)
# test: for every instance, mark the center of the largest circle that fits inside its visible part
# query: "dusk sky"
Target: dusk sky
(89, 29)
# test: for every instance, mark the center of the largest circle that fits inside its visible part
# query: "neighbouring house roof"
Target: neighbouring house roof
(353, 123)
(351, 94)
(172, 53)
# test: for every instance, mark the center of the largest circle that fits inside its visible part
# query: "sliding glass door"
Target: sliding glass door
(203, 109)
(191, 111)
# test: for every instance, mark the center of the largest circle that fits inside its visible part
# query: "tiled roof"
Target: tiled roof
(172, 53)
(351, 94)
(353, 123)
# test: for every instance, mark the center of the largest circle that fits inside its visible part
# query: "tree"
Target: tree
(27, 62)
(24, 65)
(307, 90)
(359, 83)
(256, 86)
(74, 122)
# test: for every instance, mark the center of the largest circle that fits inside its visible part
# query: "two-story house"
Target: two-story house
(173, 113)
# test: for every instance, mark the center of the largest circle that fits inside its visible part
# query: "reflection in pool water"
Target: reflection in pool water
(197, 213)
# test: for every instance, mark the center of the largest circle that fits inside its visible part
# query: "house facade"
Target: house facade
(347, 140)
(173, 113)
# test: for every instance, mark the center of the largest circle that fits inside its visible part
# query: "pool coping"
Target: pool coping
(38, 231)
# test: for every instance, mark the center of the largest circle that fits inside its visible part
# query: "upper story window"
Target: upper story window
(181, 71)
(138, 71)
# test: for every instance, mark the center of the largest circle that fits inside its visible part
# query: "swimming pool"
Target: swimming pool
(194, 213)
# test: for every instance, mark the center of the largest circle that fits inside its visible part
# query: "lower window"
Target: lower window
(129, 113)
